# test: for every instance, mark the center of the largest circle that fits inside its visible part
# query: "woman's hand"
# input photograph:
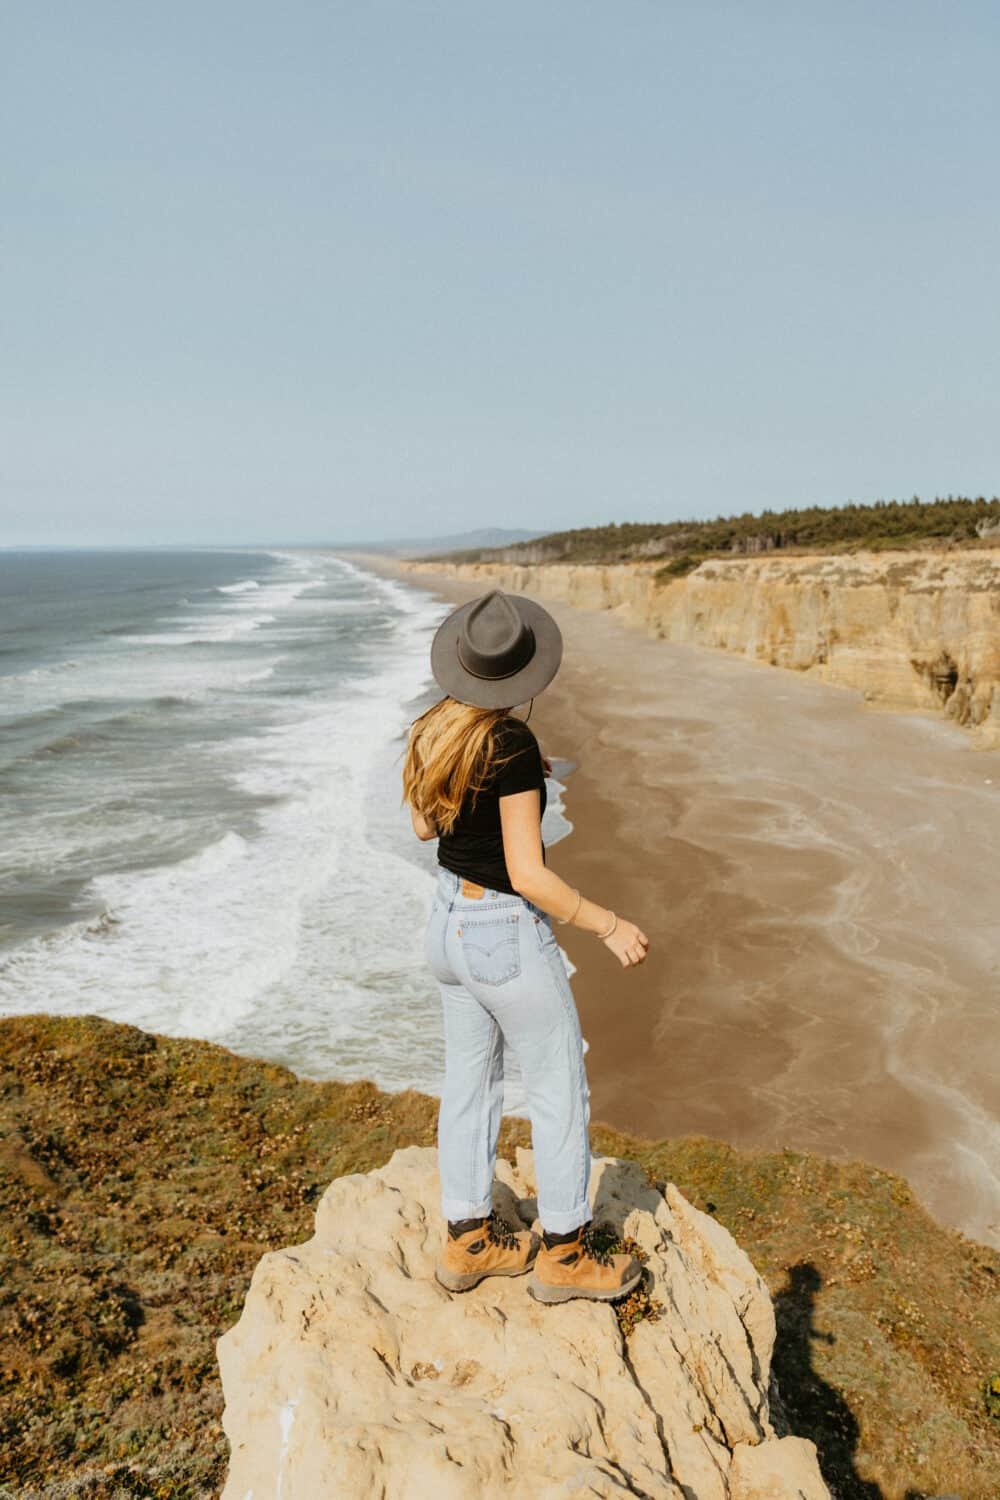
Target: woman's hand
(546, 764)
(628, 943)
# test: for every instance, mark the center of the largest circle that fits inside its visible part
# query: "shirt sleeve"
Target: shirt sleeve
(524, 770)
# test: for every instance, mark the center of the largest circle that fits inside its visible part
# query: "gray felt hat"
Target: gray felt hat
(496, 651)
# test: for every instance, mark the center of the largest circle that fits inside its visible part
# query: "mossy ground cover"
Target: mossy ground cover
(143, 1177)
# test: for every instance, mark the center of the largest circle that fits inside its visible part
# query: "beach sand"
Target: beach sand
(818, 881)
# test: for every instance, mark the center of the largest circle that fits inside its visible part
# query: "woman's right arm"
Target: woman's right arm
(520, 820)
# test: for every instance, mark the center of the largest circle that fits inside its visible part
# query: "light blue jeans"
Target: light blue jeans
(502, 976)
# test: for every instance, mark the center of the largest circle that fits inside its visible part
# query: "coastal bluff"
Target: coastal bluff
(909, 629)
(352, 1372)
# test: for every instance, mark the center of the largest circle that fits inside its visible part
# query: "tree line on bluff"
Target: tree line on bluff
(951, 522)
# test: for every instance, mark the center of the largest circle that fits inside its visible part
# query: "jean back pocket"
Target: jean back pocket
(491, 947)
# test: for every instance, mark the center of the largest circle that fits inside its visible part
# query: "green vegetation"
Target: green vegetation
(909, 524)
(142, 1178)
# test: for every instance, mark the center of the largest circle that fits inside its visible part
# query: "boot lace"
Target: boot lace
(590, 1246)
(501, 1231)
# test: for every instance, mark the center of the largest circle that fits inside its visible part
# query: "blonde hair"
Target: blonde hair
(450, 748)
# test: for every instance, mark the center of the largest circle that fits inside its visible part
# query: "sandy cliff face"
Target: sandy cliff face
(352, 1372)
(911, 630)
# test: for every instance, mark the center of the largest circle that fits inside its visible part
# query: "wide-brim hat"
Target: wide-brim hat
(496, 651)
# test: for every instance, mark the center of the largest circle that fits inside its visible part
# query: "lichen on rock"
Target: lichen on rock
(352, 1372)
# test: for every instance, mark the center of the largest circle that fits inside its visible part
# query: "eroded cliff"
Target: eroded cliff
(910, 630)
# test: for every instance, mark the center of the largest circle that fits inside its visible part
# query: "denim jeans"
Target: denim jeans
(502, 977)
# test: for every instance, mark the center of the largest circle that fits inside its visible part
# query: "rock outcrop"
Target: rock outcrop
(910, 630)
(352, 1373)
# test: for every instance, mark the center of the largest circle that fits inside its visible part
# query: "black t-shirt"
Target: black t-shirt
(474, 847)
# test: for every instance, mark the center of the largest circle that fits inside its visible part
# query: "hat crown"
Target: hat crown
(494, 641)
(496, 650)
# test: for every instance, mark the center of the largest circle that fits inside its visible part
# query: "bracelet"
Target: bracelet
(563, 920)
(614, 924)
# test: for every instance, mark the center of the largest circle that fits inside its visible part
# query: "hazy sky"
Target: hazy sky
(326, 271)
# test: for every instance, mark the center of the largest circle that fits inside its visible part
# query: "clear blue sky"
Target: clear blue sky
(326, 271)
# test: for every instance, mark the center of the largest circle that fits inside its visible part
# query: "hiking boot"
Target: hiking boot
(493, 1247)
(579, 1268)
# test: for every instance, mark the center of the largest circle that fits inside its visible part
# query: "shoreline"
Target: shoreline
(823, 941)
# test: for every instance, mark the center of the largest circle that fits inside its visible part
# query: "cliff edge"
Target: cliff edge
(352, 1372)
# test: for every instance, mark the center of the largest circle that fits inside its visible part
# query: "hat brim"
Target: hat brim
(499, 692)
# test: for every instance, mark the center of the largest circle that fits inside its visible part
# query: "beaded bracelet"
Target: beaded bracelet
(611, 929)
(563, 920)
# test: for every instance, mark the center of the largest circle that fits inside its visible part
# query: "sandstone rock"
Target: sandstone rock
(909, 629)
(351, 1372)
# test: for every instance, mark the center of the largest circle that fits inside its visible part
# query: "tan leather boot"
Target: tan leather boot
(578, 1268)
(495, 1249)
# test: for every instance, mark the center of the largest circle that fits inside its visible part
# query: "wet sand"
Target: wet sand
(818, 881)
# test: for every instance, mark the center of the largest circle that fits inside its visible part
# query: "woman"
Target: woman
(474, 778)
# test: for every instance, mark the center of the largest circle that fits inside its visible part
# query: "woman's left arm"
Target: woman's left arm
(422, 827)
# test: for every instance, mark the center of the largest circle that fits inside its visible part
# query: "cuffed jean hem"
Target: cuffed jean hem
(454, 1209)
(568, 1219)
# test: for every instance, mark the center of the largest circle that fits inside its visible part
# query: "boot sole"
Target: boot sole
(542, 1292)
(464, 1281)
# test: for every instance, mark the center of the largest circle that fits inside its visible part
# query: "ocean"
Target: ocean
(201, 826)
